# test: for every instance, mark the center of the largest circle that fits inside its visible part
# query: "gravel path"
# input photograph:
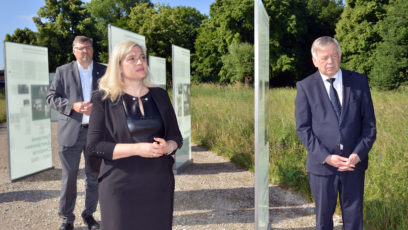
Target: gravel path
(212, 193)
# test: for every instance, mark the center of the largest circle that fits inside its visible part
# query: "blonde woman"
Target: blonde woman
(133, 128)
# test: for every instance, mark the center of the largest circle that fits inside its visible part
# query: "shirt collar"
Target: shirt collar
(90, 67)
(337, 76)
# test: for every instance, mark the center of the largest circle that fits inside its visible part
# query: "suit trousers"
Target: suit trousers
(349, 186)
(70, 158)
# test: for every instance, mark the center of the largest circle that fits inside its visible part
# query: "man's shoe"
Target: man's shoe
(91, 222)
(66, 226)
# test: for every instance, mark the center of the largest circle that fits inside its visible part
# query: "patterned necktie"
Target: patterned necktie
(334, 98)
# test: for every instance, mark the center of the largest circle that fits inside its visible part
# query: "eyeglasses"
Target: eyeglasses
(83, 48)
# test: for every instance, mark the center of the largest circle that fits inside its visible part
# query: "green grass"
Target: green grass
(3, 114)
(223, 121)
(387, 176)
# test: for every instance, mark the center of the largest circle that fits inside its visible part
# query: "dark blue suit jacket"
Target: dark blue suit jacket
(321, 131)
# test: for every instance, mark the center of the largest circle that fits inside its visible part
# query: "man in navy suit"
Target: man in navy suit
(336, 123)
(70, 94)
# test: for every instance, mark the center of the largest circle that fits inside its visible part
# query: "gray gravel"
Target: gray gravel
(212, 193)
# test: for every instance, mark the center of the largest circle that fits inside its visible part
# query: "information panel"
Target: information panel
(261, 117)
(181, 101)
(117, 35)
(54, 113)
(157, 73)
(28, 114)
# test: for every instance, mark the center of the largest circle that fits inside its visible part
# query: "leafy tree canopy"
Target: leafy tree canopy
(390, 68)
(292, 31)
(358, 34)
(58, 22)
(24, 36)
(115, 12)
(238, 64)
(163, 26)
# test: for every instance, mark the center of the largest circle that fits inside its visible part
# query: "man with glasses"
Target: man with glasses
(70, 94)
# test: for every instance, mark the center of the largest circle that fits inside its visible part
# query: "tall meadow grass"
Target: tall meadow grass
(223, 121)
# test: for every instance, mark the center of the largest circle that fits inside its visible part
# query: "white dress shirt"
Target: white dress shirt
(337, 84)
(86, 83)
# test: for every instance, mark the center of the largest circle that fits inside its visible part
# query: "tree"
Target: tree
(207, 62)
(322, 20)
(294, 25)
(391, 61)
(358, 34)
(292, 31)
(238, 64)
(288, 40)
(163, 26)
(24, 36)
(114, 12)
(108, 11)
(324, 16)
(230, 22)
(58, 22)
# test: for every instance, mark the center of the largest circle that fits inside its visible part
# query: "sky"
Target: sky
(18, 14)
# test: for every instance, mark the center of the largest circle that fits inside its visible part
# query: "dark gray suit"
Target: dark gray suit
(321, 132)
(64, 91)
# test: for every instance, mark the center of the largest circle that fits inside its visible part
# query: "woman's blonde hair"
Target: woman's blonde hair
(111, 83)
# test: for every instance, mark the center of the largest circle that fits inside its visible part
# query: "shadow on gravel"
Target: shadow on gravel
(228, 216)
(310, 228)
(195, 148)
(30, 195)
(54, 174)
(236, 198)
(215, 217)
(81, 228)
(209, 168)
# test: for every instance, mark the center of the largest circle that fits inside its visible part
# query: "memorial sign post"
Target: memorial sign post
(181, 102)
(261, 117)
(28, 114)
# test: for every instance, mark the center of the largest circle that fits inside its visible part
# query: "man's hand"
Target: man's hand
(342, 163)
(84, 107)
(351, 162)
(336, 161)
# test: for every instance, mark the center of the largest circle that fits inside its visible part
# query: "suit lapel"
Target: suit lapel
(77, 79)
(346, 92)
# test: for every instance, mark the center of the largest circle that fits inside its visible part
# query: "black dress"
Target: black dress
(139, 192)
